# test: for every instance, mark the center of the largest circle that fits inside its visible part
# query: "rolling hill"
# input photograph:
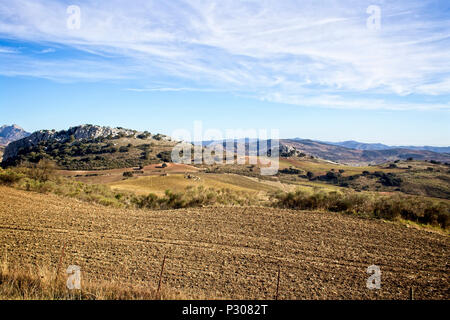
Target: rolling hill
(358, 157)
(335, 153)
(379, 146)
(89, 147)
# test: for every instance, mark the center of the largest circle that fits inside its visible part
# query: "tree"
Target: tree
(165, 156)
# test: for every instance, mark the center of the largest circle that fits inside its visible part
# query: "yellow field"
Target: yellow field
(177, 182)
(320, 167)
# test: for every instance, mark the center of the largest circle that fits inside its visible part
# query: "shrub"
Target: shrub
(382, 207)
(290, 170)
(9, 177)
(165, 156)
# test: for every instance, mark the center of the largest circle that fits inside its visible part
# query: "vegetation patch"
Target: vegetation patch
(391, 207)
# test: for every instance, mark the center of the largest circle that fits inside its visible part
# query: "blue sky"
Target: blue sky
(312, 69)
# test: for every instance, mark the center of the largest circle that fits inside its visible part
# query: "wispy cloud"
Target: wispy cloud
(299, 52)
(8, 50)
(48, 50)
(167, 89)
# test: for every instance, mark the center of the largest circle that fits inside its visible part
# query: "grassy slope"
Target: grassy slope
(177, 182)
(416, 177)
(320, 167)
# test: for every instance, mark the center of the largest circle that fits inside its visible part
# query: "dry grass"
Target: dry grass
(320, 167)
(390, 207)
(43, 283)
(177, 183)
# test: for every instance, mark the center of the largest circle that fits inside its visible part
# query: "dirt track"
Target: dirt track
(228, 252)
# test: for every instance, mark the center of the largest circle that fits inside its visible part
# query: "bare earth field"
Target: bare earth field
(226, 252)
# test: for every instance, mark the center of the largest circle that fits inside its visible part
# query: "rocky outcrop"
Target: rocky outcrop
(83, 132)
(11, 133)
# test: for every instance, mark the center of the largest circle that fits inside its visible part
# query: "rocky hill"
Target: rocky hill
(89, 147)
(11, 133)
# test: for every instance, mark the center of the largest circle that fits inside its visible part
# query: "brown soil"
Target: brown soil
(226, 252)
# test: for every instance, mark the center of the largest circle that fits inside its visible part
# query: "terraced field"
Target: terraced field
(226, 252)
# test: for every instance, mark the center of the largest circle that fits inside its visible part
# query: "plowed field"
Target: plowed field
(226, 252)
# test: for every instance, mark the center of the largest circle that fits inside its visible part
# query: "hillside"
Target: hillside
(335, 153)
(2, 150)
(379, 146)
(230, 252)
(88, 147)
(11, 133)
(361, 157)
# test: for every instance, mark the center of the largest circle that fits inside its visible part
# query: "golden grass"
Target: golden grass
(177, 183)
(319, 167)
(43, 283)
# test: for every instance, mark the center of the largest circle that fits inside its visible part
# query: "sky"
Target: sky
(371, 71)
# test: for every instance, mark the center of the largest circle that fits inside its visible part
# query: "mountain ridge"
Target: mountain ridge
(352, 144)
(10, 133)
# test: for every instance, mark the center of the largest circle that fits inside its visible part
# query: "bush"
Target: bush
(8, 177)
(128, 174)
(290, 171)
(165, 156)
(194, 197)
(414, 209)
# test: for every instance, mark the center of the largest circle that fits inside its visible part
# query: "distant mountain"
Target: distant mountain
(379, 146)
(336, 153)
(348, 155)
(11, 133)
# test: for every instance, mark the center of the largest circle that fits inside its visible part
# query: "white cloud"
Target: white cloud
(48, 50)
(8, 50)
(281, 51)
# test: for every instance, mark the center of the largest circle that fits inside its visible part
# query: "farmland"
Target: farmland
(226, 252)
(177, 182)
